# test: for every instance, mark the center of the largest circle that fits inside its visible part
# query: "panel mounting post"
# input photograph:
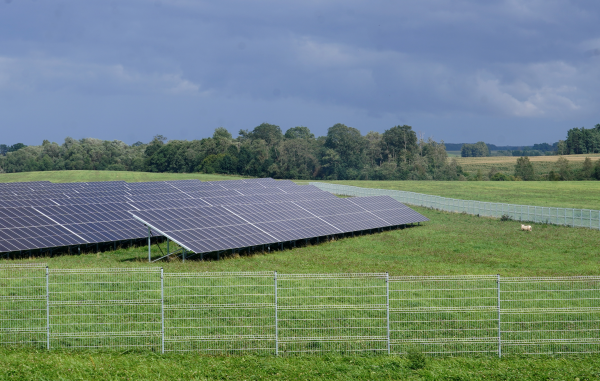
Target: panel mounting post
(149, 248)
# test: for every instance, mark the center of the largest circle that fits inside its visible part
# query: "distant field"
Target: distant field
(453, 153)
(83, 176)
(569, 194)
(506, 164)
(566, 194)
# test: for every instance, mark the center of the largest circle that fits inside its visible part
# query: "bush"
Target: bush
(416, 359)
(505, 217)
(499, 176)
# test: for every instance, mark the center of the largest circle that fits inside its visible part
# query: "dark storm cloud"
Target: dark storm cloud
(457, 70)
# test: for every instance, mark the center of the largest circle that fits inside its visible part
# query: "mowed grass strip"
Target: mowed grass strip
(449, 244)
(85, 176)
(57, 365)
(561, 194)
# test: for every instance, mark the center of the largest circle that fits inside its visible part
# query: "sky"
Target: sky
(513, 72)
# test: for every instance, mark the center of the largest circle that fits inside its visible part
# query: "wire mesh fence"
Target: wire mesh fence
(288, 314)
(105, 308)
(23, 305)
(220, 313)
(584, 218)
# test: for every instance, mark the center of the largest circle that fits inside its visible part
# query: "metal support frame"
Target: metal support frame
(499, 320)
(149, 245)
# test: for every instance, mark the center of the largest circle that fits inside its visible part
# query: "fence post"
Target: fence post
(387, 303)
(499, 319)
(47, 309)
(162, 311)
(276, 318)
(573, 215)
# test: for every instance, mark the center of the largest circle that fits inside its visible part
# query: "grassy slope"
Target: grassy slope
(448, 244)
(21, 365)
(566, 194)
(574, 194)
(82, 176)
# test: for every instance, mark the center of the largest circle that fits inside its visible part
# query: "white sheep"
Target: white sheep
(526, 227)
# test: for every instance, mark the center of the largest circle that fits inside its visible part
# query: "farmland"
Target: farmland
(563, 194)
(506, 164)
(450, 244)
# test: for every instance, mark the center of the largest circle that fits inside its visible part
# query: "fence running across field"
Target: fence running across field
(585, 218)
(286, 314)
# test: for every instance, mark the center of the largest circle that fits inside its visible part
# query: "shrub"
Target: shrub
(499, 176)
(416, 359)
(505, 217)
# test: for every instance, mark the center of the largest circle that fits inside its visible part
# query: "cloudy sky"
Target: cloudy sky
(506, 72)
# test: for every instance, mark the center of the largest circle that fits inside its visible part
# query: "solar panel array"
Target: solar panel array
(200, 216)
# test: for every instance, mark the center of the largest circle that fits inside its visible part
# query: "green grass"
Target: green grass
(83, 176)
(448, 244)
(29, 365)
(506, 164)
(563, 194)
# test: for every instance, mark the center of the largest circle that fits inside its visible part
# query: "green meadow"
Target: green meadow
(449, 244)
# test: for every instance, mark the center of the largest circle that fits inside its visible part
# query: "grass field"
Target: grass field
(449, 244)
(27, 365)
(84, 176)
(563, 194)
(506, 164)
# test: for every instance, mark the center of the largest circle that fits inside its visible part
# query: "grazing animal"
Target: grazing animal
(526, 228)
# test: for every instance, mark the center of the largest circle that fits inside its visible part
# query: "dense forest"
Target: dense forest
(343, 154)
(265, 151)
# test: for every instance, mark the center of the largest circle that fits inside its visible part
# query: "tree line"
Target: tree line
(579, 141)
(265, 151)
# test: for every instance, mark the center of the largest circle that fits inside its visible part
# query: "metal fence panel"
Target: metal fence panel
(105, 308)
(343, 313)
(444, 315)
(270, 313)
(220, 313)
(23, 312)
(584, 218)
(550, 315)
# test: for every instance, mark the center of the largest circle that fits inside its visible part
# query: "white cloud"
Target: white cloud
(55, 74)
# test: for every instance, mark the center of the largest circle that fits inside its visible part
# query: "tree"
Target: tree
(399, 143)
(299, 132)
(16, 147)
(596, 173)
(349, 144)
(270, 133)
(524, 169)
(479, 149)
(563, 169)
(587, 170)
(221, 133)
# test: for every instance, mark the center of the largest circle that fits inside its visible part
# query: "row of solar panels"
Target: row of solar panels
(48, 215)
(216, 228)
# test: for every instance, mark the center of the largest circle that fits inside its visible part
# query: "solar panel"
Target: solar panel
(201, 216)
(242, 221)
